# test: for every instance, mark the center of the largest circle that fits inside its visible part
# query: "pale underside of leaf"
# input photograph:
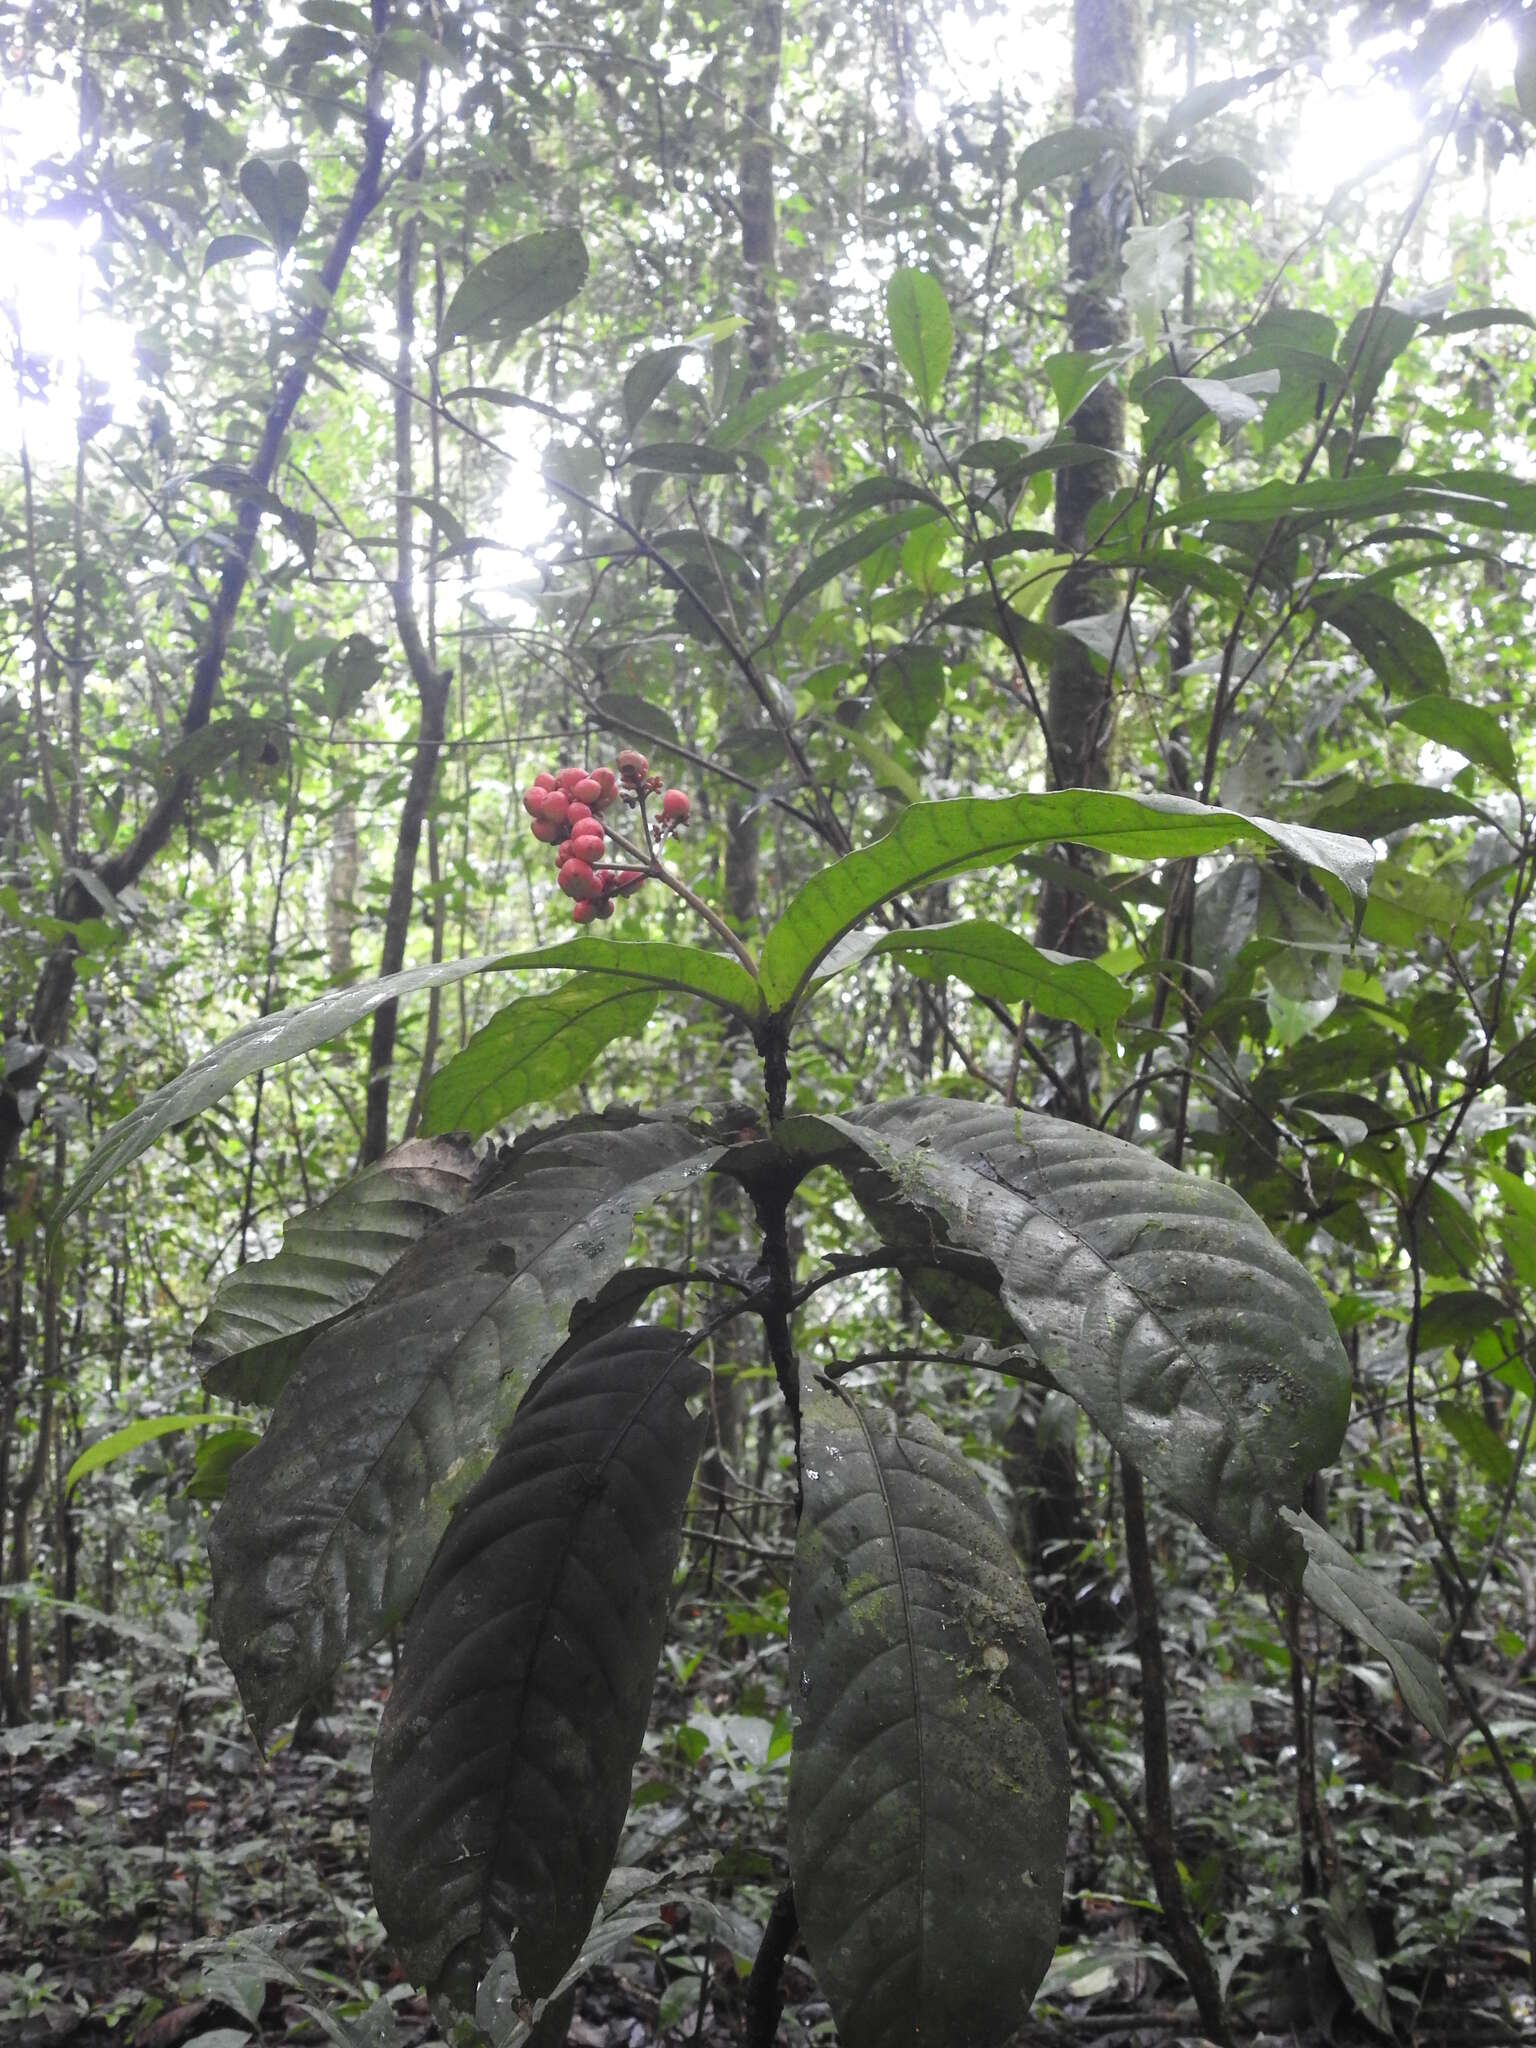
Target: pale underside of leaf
(1158, 1300)
(502, 1773)
(332, 1256)
(929, 1780)
(331, 1521)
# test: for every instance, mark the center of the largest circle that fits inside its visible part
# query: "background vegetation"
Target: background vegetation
(320, 540)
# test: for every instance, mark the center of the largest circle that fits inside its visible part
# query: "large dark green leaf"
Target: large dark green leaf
(653, 963)
(266, 1313)
(1157, 1300)
(264, 1042)
(1468, 729)
(516, 287)
(1358, 1601)
(1062, 155)
(502, 1772)
(1207, 177)
(929, 1784)
(390, 1417)
(935, 840)
(1397, 647)
(531, 1051)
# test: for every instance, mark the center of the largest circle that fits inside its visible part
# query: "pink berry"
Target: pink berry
(568, 778)
(579, 882)
(547, 834)
(544, 781)
(608, 783)
(675, 806)
(632, 766)
(589, 790)
(586, 910)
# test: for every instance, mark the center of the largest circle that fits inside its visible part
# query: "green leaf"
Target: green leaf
(1076, 375)
(300, 527)
(532, 1050)
(1380, 334)
(502, 1774)
(909, 688)
(108, 1449)
(921, 332)
(264, 1042)
(1483, 498)
(994, 961)
(682, 458)
(1157, 1300)
(266, 1314)
(215, 1459)
(1211, 98)
(230, 248)
(392, 1415)
(1483, 1445)
(351, 669)
(1233, 402)
(1397, 647)
(929, 1780)
(278, 195)
(756, 411)
(852, 549)
(1356, 1598)
(514, 289)
(1062, 155)
(649, 377)
(1466, 728)
(1207, 177)
(652, 963)
(933, 841)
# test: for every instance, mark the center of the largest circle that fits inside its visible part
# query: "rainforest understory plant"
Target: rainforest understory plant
(478, 1439)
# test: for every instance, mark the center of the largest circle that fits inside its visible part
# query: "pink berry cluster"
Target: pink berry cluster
(567, 808)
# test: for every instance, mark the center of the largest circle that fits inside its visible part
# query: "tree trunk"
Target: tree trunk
(431, 682)
(1107, 39)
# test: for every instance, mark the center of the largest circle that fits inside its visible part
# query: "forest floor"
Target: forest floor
(167, 1886)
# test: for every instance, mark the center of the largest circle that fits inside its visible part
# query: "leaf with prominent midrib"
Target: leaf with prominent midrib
(264, 1042)
(1157, 1300)
(390, 1417)
(532, 1050)
(993, 960)
(265, 1314)
(502, 1773)
(933, 841)
(1358, 1601)
(928, 1784)
(516, 287)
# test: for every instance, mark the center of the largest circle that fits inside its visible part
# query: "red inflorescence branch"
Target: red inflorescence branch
(567, 809)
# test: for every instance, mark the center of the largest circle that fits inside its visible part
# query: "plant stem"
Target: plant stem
(765, 1986)
(656, 867)
(1183, 1936)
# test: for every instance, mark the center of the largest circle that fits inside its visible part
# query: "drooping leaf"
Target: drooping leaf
(1355, 1597)
(1207, 177)
(215, 1458)
(1233, 402)
(278, 195)
(966, 834)
(1465, 728)
(921, 331)
(1397, 647)
(1209, 99)
(682, 458)
(264, 1042)
(645, 380)
(1076, 374)
(928, 1782)
(852, 549)
(744, 420)
(993, 960)
(302, 528)
(391, 1416)
(351, 669)
(516, 287)
(1483, 498)
(266, 1313)
(909, 688)
(531, 1051)
(501, 1777)
(1062, 155)
(1373, 341)
(119, 1442)
(230, 248)
(1157, 1300)
(1480, 1442)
